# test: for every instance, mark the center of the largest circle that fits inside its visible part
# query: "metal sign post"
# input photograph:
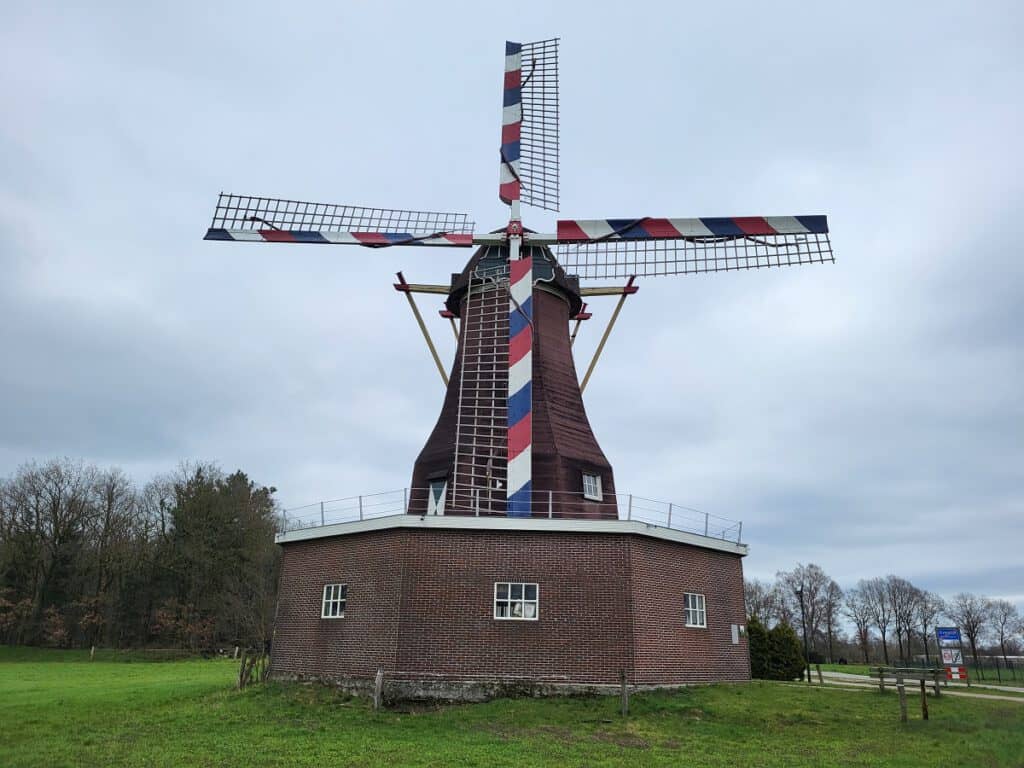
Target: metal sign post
(951, 646)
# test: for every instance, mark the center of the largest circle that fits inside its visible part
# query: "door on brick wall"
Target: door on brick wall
(435, 499)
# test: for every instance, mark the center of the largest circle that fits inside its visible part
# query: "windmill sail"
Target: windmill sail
(529, 126)
(645, 247)
(274, 220)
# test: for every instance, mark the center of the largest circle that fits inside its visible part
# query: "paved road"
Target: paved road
(845, 679)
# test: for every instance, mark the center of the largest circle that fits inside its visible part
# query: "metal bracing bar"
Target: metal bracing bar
(605, 290)
(629, 289)
(404, 287)
(449, 315)
(426, 288)
(495, 238)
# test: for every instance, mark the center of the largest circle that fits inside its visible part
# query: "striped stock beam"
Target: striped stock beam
(520, 386)
(581, 231)
(511, 124)
(371, 239)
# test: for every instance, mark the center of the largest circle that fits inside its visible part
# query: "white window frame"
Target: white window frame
(335, 596)
(696, 614)
(523, 603)
(595, 494)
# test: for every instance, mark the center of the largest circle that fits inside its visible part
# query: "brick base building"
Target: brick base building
(466, 607)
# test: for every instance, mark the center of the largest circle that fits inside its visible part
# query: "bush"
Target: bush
(774, 654)
(757, 640)
(786, 662)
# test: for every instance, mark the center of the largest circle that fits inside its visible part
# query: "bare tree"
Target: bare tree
(1005, 622)
(902, 596)
(859, 611)
(928, 607)
(832, 602)
(876, 595)
(761, 600)
(971, 613)
(805, 587)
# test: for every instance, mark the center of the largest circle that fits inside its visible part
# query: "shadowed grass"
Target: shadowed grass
(78, 713)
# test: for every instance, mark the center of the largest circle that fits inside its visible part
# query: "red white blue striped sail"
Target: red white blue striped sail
(520, 386)
(511, 124)
(373, 239)
(577, 231)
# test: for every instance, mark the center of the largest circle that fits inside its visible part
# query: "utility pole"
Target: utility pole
(803, 629)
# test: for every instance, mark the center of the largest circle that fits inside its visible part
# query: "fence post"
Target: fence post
(551, 504)
(360, 507)
(405, 501)
(629, 510)
(935, 681)
(881, 680)
(924, 701)
(705, 523)
(739, 533)
(669, 515)
(901, 689)
(625, 693)
(321, 513)
(821, 679)
(378, 688)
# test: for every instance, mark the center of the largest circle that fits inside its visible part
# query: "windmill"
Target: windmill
(513, 437)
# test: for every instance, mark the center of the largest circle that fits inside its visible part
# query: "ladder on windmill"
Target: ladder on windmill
(479, 476)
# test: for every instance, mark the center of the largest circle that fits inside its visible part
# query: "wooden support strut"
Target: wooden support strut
(628, 290)
(404, 287)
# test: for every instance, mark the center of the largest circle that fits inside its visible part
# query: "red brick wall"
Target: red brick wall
(666, 650)
(420, 602)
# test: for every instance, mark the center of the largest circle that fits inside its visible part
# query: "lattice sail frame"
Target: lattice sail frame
(530, 125)
(617, 248)
(539, 160)
(269, 219)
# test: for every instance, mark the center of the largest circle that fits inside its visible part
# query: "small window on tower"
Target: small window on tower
(592, 487)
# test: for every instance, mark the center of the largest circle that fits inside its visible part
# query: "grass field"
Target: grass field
(58, 709)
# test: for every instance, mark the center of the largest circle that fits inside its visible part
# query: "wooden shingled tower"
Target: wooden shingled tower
(513, 436)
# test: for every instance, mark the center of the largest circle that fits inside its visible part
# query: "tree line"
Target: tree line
(891, 618)
(87, 557)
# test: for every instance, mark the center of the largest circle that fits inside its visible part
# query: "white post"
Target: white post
(669, 514)
(405, 500)
(705, 523)
(321, 513)
(360, 507)
(551, 504)
(629, 511)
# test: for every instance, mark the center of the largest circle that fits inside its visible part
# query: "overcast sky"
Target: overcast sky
(865, 415)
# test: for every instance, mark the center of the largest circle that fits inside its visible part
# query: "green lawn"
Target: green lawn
(58, 709)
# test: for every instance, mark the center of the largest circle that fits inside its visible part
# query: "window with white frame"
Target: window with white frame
(334, 601)
(516, 600)
(696, 616)
(592, 487)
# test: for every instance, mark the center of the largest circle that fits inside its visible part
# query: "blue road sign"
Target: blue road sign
(948, 634)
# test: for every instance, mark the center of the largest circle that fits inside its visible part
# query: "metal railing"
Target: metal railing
(544, 504)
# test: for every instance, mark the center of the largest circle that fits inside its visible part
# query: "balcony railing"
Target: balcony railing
(544, 504)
